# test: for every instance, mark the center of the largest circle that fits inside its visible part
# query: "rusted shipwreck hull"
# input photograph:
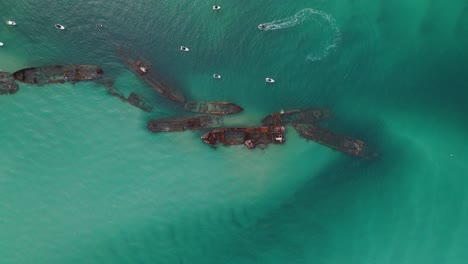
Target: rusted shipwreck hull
(7, 84)
(330, 139)
(58, 74)
(251, 137)
(301, 116)
(144, 71)
(184, 123)
(215, 108)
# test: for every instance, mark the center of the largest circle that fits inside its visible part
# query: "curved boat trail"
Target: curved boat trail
(327, 24)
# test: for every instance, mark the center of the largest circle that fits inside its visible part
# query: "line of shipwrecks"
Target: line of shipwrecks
(272, 131)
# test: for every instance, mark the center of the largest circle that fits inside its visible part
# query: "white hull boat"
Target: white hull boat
(58, 26)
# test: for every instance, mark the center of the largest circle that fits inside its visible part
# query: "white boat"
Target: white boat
(216, 76)
(269, 80)
(11, 23)
(183, 48)
(62, 27)
(216, 7)
(262, 26)
(1, 44)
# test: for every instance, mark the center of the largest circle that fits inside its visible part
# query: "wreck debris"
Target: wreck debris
(330, 139)
(144, 71)
(140, 102)
(7, 84)
(251, 137)
(215, 108)
(58, 74)
(301, 116)
(133, 99)
(176, 124)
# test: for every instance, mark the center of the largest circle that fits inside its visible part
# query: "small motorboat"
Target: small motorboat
(262, 26)
(269, 80)
(99, 25)
(216, 76)
(216, 7)
(183, 48)
(1, 44)
(11, 23)
(62, 27)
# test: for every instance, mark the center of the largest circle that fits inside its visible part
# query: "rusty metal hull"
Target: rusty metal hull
(184, 123)
(215, 108)
(300, 116)
(58, 74)
(330, 139)
(251, 137)
(7, 84)
(145, 72)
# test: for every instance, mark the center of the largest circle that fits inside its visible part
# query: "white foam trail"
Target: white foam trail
(305, 14)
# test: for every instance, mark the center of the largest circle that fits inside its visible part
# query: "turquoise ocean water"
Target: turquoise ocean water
(82, 181)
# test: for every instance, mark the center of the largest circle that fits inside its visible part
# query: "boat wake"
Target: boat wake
(324, 20)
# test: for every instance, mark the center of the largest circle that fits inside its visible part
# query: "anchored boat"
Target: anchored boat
(330, 139)
(251, 137)
(147, 74)
(300, 116)
(215, 108)
(58, 74)
(176, 124)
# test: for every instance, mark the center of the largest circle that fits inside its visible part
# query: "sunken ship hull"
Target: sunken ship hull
(58, 74)
(146, 73)
(177, 124)
(302, 116)
(7, 84)
(214, 108)
(330, 139)
(251, 137)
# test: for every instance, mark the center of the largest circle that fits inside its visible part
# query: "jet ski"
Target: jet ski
(1, 44)
(183, 48)
(262, 26)
(269, 80)
(216, 7)
(62, 27)
(11, 23)
(216, 76)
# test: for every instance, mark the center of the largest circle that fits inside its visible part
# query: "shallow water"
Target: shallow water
(82, 181)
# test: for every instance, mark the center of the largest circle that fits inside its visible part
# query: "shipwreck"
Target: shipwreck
(7, 84)
(215, 108)
(176, 124)
(330, 139)
(145, 72)
(251, 137)
(301, 116)
(58, 74)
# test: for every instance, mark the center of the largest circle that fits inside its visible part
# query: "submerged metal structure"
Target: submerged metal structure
(300, 116)
(176, 124)
(58, 74)
(330, 139)
(145, 72)
(7, 84)
(251, 137)
(214, 108)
